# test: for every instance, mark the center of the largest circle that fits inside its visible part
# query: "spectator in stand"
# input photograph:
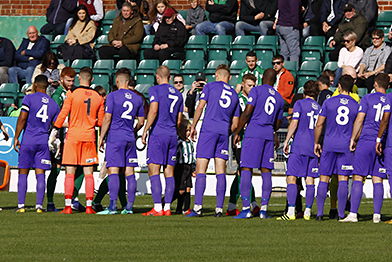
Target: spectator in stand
(311, 15)
(79, 40)
(331, 13)
(284, 80)
(169, 40)
(373, 61)
(351, 22)
(193, 96)
(95, 11)
(119, 3)
(388, 68)
(350, 55)
(194, 16)
(369, 9)
(256, 15)
(331, 76)
(178, 83)
(287, 28)
(125, 36)
(58, 12)
(349, 70)
(7, 52)
(325, 93)
(223, 15)
(28, 56)
(156, 15)
(252, 68)
(51, 68)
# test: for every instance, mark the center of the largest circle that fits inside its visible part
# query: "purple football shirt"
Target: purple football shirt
(125, 106)
(268, 107)
(387, 108)
(306, 112)
(170, 103)
(42, 111)
(373, 106)
(340, 112)
(222, 106)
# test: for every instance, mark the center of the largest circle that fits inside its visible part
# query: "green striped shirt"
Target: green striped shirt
(185, 152)
(257, 72)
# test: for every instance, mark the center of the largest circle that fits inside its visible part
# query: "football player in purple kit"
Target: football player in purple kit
(363, 142)
(221, 118)
(38, 113)
(122, 108)
(164, 117)
(302, 160)
(264, 112)
(338, 114)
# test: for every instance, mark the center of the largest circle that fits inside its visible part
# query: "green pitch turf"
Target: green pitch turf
(80, 237)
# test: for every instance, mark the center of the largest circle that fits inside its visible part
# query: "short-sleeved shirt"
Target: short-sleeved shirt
(42, 111)
(340, 113)
(85, 108)
(257, 72)
(374, 58)
(222, 106)
(268, 107)
(372, 105)
(124, 106)
(170, 103)
(306, 112)
(387, 109)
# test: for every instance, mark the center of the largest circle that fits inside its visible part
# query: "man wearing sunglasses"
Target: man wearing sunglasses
(284, 80)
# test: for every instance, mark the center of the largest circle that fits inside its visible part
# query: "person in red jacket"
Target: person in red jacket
(284, 80)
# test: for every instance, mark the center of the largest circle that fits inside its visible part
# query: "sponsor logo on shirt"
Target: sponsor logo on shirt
(271, 91)
(382, 170)
(271, 160)
(45, 100)
(250, 100)
(382, 99)
(128, 95)
(91, 160)
(387, 107)
(227, 86)
(173, 158)
(45, 161)
(171, 90)
(296, 114)
(202, 95)
(315, 106)
(224, 152)
(132, 160)
(152, 98)
(344, 101)
(347, 167)
(360, 108)
(315, 170)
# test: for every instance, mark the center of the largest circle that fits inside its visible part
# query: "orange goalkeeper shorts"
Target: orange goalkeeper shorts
(79, 153)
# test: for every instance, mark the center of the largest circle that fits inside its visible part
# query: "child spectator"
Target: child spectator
(195, 15)
(156, 16)
(184, 168)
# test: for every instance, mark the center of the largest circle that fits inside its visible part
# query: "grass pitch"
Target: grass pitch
(80, 237)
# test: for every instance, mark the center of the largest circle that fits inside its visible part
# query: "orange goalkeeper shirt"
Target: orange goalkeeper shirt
(85, 108)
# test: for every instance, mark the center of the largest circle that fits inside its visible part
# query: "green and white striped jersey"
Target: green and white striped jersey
(185, 152)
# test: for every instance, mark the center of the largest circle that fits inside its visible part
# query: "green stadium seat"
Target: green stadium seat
(104, 66)
(101, 40)
(105, 29)
(7, 99)
(265, 56)
(197, 42)
(10, 88)
(331, 66)
(147, 66)
(310, 68)
(292, 66)
(212, 65)
(243, 42)
(303, 79)
(362, 92)
(145, 79)
(314, 43)
(234, 80)
(217, 55)
(210, 78)
(20, 99)
(193, 66)
(310, 55)
(267, 42)
(77, 64)
(384, 19)
(143, 89)
(188, 79)
(49, 37)
(147, 41)
(173, 65)
(129, 64)
(236, 66)
(109, 17)
(300, 90)
(57, 41)
(102, 80)
(183, 13)
(221, 42)
(194, 54)
(238, 54)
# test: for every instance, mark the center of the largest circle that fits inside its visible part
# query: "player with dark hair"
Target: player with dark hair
(84, 108)
(363, 141)
(122, 108)
(38, 113)
(302, 160)
(252, 68)
(164, 117)
(337, 114)
(264, 112)
(222, 112)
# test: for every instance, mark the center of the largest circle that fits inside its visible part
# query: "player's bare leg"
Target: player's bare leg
(200, 186)
(321, 195)
(131, 189)
(168, 171)
(266, 191)
(156, 190)
(22, 189)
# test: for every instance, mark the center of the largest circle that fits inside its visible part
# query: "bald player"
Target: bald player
(85, 108)
(164, 117)
(264, 112)
(221, 103)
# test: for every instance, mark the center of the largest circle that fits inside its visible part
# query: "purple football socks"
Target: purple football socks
(266, 188)
(114, 186)
(356, 195)
(321, 196)
(131, 191)
(22, 188)
(342, 197)
(291, 194)
(40, 188)
(245, 187)
(309, 195)
(200, 187)
(220, 190)
(169, 190)
(378, 195)
(156, 188)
